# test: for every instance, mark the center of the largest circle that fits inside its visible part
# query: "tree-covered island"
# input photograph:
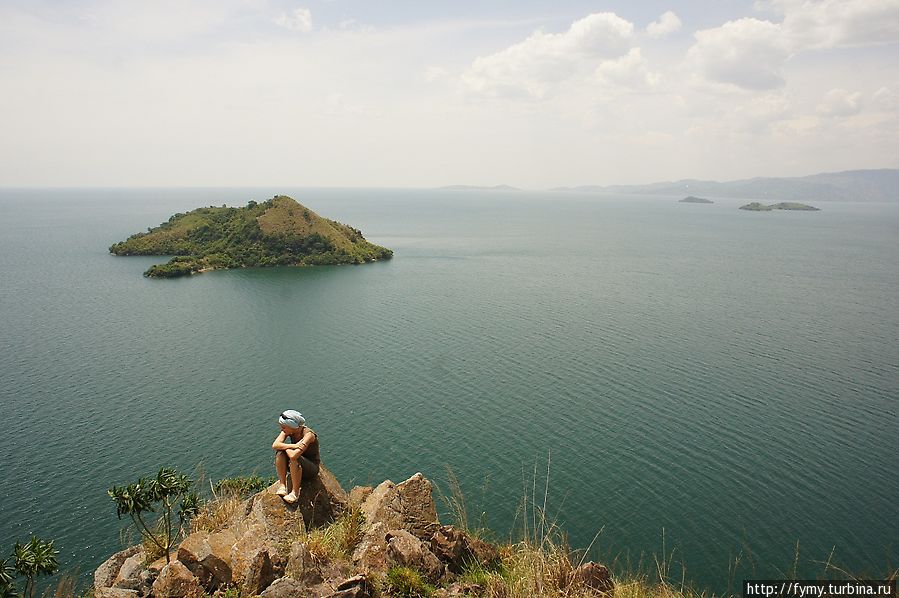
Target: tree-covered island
(276, 232)
(786, 205)
(694, 199)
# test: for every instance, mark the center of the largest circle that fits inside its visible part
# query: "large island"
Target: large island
(276, 232)
(786, 205)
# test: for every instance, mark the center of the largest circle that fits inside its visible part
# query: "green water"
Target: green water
(731, 378)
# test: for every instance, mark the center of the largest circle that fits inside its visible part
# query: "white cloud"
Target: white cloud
(839, 102)
(747, 53)
(630, 71)
(531, 67)
(300, 19)
(750, 53)
(667, 23)
(836, 23)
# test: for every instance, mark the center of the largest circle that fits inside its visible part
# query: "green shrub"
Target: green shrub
(406, 582)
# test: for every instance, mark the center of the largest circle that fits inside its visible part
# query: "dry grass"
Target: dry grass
(216, 514)
(338, 540)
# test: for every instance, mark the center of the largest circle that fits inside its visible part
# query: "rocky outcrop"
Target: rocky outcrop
(208, 557)
(107, 573)
(457, 549)
(408, 505)
(176, 581)
(270, 548)
(405, 550)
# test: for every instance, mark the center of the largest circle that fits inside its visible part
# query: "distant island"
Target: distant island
(850, 185)
(786, 205)
(478, 188)
(692, 199)
(276, 232)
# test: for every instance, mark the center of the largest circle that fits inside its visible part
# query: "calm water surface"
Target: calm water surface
(729, 380)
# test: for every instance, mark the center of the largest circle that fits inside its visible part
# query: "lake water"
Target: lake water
(726, 379)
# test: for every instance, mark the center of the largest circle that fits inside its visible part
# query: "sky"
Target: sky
(416, 93)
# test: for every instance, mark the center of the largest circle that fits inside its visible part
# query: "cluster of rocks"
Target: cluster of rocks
(261, 550)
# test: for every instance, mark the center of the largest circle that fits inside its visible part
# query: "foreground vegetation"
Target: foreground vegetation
(276, 232)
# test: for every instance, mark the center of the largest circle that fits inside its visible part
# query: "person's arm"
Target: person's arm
(308, 437)
(280, 445)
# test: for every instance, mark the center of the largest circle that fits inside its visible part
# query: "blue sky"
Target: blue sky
(414, 93)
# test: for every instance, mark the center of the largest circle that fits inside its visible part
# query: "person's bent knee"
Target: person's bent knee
(293, 454)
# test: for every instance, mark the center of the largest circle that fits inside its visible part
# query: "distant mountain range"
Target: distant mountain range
(850, 185)
(478, 188)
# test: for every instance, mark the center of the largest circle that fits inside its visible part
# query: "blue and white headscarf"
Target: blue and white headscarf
(292, 419)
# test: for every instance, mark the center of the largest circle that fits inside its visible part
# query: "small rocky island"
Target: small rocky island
(276, 232)
(693, 199)
(786, 205)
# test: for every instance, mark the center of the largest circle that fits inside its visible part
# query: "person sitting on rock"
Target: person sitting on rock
(301, 454)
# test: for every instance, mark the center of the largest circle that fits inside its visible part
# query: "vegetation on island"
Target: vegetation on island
(276, 232)
(786, 205)
(694, 199)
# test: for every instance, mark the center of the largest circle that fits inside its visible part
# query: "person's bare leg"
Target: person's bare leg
(296, 475)
(281, 467)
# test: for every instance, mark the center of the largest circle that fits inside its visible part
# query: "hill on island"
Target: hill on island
(276, 232)
(785, 205)
(850, 185)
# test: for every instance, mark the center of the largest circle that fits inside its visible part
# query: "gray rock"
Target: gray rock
(285, 587)
(208, 556)
(322, 499)
(302, 567)
(456, 548)
(371, 554)
(175, 581)
(255, 562)
(406, 550)
(115, 593)
(354, 587)
(106, 574)
(408, 505)
(358, 495)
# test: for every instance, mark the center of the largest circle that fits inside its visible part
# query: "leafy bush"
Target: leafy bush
(163, 491)
(36, 557)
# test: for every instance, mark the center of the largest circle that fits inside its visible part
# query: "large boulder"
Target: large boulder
(354, 587)
(405, 550)
(457, 549)
(255, 561)
(408, 505)
(129, 574)
(285, 587)
(358, 495)
(274, 517)
(322, 499)
(208, 556)
(370, 554)
(176, 581)
(106, 574)
(115, 593)
(302, 567)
